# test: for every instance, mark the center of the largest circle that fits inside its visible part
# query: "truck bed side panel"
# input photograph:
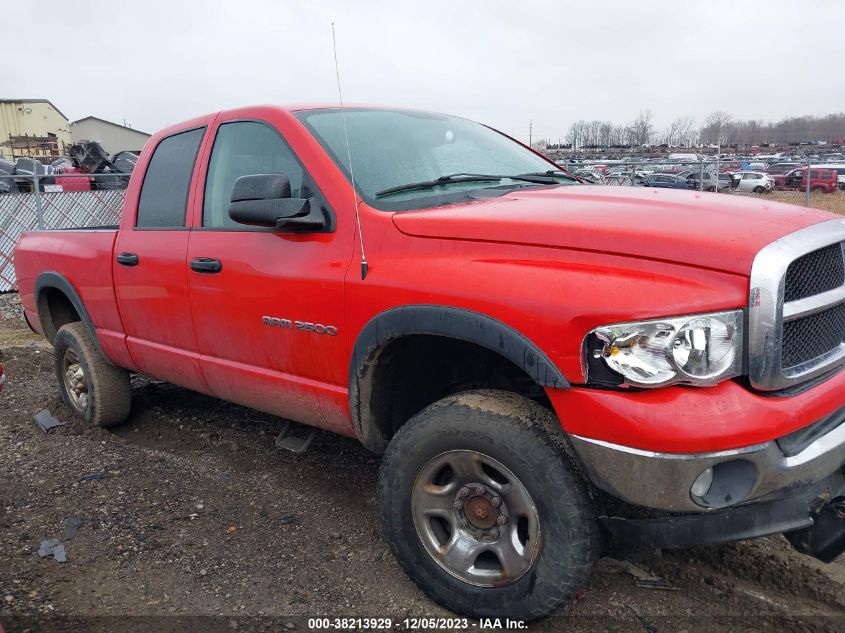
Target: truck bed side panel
(84, 259)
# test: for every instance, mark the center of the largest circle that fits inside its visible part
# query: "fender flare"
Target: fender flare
(57, 281)
(448, 322)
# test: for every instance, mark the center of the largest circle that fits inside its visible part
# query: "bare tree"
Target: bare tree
(619, 135)
(642, 129)
(606, 134)
(579, 133)
(716, 128)
(719, 127)
(679, 131)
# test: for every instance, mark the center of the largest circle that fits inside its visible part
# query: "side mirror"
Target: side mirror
(264, 200)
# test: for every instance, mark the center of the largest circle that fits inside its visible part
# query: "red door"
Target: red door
(150, 266)
(268, 310)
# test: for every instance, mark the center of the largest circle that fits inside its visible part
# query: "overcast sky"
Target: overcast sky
(504, 63)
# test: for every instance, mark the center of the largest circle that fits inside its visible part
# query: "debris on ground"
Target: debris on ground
(46, 420)
(656, 584)
(52, 547)
(94, 477)
(642, 577)
(72, 526)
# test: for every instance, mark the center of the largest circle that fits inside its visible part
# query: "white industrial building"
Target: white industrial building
(113, 137)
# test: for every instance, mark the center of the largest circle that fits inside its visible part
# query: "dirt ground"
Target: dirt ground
(194, 521)
(833, 202)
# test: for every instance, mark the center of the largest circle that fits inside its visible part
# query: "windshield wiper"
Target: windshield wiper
(552, 173)
(427, 184)
(540, 178)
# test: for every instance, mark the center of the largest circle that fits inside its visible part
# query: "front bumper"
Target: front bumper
(765, 471)
(813, 519)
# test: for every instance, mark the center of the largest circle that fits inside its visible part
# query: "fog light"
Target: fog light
(701, 485)
(724, 484)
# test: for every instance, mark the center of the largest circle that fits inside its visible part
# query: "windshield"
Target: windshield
(392, 148)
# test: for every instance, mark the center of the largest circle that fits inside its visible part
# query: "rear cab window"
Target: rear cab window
(164, 193)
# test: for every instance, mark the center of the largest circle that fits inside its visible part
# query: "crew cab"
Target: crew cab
(544, 365)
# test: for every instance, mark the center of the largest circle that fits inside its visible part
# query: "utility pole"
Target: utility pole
(530, 132)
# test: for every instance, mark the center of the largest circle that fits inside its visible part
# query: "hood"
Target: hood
(718, 231)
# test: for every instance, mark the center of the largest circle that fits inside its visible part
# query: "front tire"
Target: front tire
(483, 508)
(91, 386)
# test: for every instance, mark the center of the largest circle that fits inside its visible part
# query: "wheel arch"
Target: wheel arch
(52, 289)
(440, 322)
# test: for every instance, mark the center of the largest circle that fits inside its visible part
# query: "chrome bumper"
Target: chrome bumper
(663, 480)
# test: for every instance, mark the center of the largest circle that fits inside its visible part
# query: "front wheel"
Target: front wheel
(760, 190)
(483, 509)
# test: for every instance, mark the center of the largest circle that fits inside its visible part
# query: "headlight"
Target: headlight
(702, 349)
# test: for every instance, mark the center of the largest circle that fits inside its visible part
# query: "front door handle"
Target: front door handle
(127, 259)
(206, 265)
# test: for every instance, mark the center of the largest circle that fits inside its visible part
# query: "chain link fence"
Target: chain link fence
(38, 203)
(69, 201)
(782, 181)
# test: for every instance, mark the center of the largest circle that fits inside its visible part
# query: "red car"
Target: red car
(540, 362)
(821, 180)
(2, 378)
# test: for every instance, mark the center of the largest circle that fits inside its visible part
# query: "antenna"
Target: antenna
(364, 267)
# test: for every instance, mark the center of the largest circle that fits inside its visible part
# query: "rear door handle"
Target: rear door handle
(206, 265)
(127, 259)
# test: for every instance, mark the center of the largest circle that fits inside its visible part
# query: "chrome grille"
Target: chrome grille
(797, 307)
(814, 273)
(812, 336)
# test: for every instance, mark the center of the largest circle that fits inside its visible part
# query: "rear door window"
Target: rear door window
(164, 194)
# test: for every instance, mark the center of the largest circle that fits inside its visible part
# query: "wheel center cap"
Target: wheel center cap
(480, 512)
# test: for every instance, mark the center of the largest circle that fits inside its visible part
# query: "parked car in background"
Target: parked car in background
(821, 180)
(711, 183)
(664, 181)
(782, 168)
(754, 182)
(840, 172)
(590, 175)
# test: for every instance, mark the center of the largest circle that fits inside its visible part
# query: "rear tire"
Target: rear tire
(91, 386)
(538, 534)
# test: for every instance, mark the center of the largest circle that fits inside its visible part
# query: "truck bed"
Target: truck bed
(83, 257)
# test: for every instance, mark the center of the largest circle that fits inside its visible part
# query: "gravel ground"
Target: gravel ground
(194, 521)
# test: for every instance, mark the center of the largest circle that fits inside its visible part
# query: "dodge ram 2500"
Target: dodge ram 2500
(544, 364)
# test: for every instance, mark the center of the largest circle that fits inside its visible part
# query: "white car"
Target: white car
(753, 182)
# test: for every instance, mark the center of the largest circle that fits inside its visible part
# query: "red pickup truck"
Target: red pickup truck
(545, 365)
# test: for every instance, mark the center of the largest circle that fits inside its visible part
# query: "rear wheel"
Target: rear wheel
(819, 190)
(483, 509)
(96, 390)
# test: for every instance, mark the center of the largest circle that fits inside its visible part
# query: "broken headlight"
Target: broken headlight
(701, 349)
